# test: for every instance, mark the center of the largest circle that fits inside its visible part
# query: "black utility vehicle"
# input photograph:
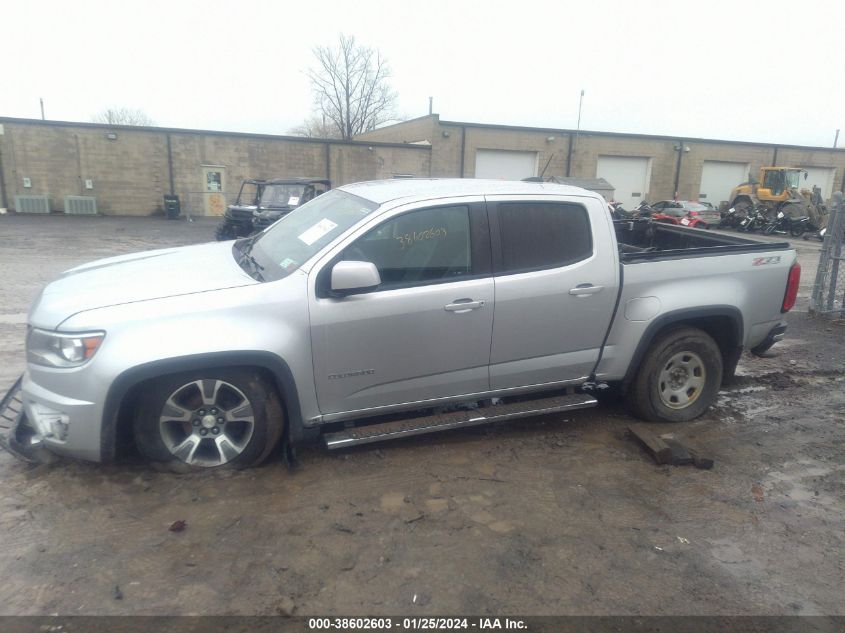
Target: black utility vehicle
(260, 203)
(237, 221)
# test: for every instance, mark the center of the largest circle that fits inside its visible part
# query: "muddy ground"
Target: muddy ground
(553, 515)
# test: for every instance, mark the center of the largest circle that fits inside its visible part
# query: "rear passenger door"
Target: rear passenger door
(556, 280)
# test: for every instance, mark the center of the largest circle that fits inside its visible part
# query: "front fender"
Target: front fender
(123, 385)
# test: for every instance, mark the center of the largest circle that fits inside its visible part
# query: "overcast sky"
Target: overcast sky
(757, 71)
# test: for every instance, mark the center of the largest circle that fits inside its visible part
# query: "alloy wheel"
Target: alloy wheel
(206, 422)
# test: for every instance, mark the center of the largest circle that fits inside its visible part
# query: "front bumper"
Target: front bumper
(16, 434)
(41, 420)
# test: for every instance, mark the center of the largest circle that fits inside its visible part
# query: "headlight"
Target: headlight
(53, 349)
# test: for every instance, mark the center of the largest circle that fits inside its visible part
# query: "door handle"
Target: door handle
(583, 290)
(460, 306)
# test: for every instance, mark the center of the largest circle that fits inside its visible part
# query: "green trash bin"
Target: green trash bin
(172, 207)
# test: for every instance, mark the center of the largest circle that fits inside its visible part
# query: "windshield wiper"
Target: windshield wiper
(247, 261)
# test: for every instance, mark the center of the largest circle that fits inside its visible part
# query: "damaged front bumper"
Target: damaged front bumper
(16, 434)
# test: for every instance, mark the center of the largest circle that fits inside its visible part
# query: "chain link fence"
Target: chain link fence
(829, 290)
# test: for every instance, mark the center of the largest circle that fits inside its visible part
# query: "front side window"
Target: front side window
(425, 246)
(537, 235)
(774, 180)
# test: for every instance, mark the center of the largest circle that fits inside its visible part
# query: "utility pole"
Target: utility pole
(574, 141)
(580, 103)
(835, 139)
(41, 99)
(430, 105)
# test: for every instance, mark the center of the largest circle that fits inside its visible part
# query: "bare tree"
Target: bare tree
(315, 127)
(351, 88)
(122, 116)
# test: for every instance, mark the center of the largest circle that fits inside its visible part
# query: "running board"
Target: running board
(456, 420)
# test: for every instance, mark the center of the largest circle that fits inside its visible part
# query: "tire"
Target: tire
(742, 206)
(225, 231)
(796, 230)
(689, 357)
(211, 418)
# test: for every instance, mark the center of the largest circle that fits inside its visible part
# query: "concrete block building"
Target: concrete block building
(127, 170)
(638, 166)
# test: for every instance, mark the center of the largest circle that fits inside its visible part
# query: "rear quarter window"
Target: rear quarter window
(539, 235)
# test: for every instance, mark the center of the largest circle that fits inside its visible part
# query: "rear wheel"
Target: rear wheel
(209, 419)
(679, 377)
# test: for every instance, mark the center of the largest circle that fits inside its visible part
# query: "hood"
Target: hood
(138, 277)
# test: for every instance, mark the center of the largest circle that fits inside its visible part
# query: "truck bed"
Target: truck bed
(644, 240)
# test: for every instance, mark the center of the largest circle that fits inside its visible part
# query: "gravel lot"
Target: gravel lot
(552, 515)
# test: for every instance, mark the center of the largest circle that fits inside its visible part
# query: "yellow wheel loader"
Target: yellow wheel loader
(778, 190)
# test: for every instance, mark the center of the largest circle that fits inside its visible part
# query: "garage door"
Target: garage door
(629, 176)
(500, 164)
(821, 177)
(718, 178)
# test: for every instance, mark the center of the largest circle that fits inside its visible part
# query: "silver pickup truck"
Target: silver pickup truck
(387, 309)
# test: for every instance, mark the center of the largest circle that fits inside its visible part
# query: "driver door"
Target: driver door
(425, 332)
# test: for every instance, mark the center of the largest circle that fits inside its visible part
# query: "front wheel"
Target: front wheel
(208, 419)
(679, 377)
(225, 231)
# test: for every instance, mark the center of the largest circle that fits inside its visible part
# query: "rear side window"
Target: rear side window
(536, 235)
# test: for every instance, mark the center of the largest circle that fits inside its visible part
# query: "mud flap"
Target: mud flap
(16, 435)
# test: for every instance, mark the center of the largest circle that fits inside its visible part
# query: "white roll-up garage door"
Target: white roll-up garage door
(821, 177)
(718, 178)
(629, 176)
(501, 164)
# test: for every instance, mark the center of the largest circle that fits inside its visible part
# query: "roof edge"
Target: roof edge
(654, 137)
(198, 132)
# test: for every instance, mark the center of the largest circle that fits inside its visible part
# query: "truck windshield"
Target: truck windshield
(793, 179)
(290, 242)
(249, 194)
(281, 196)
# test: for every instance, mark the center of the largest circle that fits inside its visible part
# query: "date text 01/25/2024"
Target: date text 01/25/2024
(416, 624)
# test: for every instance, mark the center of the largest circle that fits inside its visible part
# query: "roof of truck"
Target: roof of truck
(381, 191)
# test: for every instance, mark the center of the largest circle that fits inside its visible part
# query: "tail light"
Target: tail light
(693, 212)
(791, 287)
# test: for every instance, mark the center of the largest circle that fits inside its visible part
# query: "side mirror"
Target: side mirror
(349, 277)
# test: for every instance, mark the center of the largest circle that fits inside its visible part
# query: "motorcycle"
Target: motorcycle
(618, 212)
(730, 219)
(783, 224)
(642, 210)
(818, 234)
(753, 221)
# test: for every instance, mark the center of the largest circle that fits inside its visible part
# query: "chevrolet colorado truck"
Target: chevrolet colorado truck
(386, 309)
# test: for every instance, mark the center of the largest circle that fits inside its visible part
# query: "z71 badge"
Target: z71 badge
(762, 261)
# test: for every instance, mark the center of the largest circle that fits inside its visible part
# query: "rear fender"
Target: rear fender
(710, 319)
